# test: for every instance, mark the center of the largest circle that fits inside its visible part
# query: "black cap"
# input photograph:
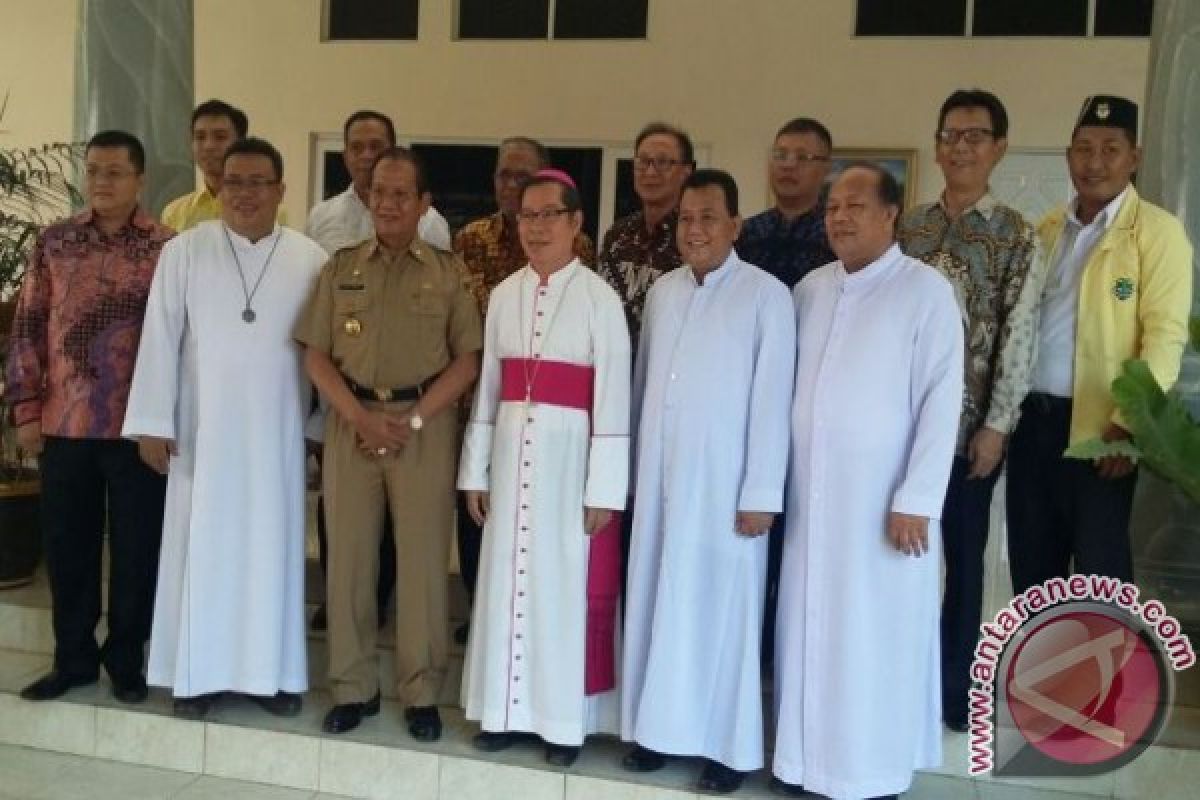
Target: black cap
(1109, 111)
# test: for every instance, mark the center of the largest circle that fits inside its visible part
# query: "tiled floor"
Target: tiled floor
(27, 774)
(37, 775)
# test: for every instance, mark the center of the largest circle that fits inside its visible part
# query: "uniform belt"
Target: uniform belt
(400, 394)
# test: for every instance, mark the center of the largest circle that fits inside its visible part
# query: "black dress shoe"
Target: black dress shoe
(319, 619)
(788, 789)
(347, 716)
(643, 759)
(132, 690)
(461, 633)
(493, 742)
(424, 723)
(281, 704)
(54, 684)
(719, 779)
(560, 755)
(193, 707)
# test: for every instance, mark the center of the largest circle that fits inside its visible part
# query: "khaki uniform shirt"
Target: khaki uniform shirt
(391, 320)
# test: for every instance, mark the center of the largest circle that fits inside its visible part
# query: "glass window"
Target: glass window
(600, 19)
(1030, 18)
(371, 19)
(503, 19)
(911, 18)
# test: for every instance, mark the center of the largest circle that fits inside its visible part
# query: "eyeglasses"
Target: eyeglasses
(546, 215)
(112, 174)
(781, 156)
(952, 136)
(512, 176)
(660, 164)
(251, 184)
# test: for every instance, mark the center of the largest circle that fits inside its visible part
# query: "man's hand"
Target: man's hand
(595, 518)
(985, 451)
(381, 430)
(478, 506)
(1112, 467)
(29, 438)
(156, 452)
(908, 533)
(753, 523)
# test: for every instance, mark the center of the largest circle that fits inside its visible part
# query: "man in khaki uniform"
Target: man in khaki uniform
(392, 340)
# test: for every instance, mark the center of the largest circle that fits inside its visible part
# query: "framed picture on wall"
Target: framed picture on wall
(901, 163)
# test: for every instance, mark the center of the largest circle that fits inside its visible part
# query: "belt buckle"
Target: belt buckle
(383, 395)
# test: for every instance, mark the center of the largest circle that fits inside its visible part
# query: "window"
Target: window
(1003, 17)
(911, 18)
(503, 19)
(370, 19)
(567, 19)
(1124, 17)
(1030, 18)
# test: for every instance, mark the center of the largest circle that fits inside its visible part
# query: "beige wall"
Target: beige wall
(37, 70)
(730, 71)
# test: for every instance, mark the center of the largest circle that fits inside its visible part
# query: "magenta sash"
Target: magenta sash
(560, 383)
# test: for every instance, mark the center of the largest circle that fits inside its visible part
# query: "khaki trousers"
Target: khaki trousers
(417, 483)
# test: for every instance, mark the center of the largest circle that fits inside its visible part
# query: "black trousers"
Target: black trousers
(965, 518)
(470, 540)
(1062, 516)
(387, 557)
(87, 483)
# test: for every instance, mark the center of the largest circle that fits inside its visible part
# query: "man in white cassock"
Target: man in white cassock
(879, 386)
(218, 404)
(545, 465)
(712, 390)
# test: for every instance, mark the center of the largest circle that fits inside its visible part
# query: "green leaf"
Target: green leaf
(1195, 326)
(1091, 449)
(1161, 426)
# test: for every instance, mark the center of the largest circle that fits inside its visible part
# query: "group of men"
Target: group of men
(712, 421)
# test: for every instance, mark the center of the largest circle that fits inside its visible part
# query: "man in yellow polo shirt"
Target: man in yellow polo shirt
(1119, 286)
(215, 126)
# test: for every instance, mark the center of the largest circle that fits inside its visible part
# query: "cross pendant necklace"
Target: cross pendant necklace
(248, 315)
(531, 375)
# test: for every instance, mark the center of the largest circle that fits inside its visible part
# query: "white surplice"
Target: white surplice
(541, 465)
(713, 388)
(879, 386)
(229, 610)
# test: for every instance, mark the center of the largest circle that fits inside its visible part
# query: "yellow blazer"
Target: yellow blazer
(1134, 300)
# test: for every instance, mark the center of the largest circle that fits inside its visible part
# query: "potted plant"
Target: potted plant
(35, 188)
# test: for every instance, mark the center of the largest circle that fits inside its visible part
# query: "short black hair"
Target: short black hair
(806, 125)
(568, 194)
(704, 178)
(377, 116)
(219, 108)
(253, 146)
(132, 145)
(887, 186)
(682, 139)
(539, 149)
(977, 98)
(407, 156)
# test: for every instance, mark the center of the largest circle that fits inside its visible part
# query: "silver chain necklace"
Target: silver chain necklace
(248, 315)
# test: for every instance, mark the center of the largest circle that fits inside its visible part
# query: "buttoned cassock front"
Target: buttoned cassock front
(390, 320)
(713, 388)
(541, 464)
(879, 381)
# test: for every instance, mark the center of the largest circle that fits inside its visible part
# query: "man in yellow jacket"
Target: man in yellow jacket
(1118, 286)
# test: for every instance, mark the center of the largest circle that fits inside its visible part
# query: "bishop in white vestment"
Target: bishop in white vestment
(712, 390)
(545, 463)
(219, 394)
(879, 382)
